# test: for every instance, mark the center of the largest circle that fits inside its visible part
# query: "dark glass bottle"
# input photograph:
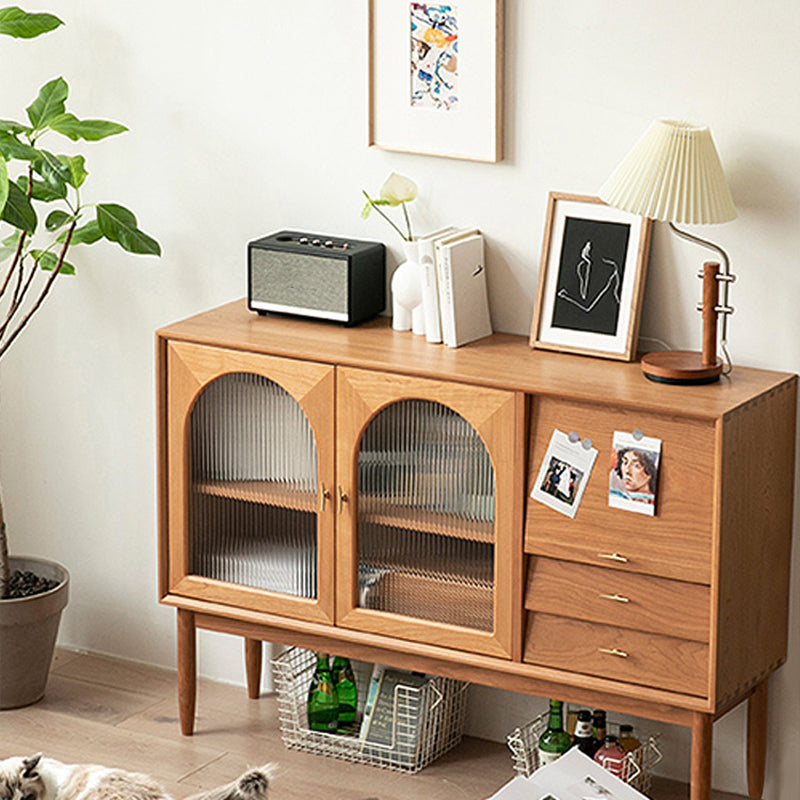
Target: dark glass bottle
(323, 702)
(555, 740)
(583, 739)
(599, 722)
(346, 690)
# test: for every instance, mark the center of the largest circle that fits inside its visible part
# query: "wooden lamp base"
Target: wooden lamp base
(681, 367)
(685, 366)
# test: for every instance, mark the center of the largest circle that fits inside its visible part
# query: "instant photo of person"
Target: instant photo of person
(633, 477)
(563, 473)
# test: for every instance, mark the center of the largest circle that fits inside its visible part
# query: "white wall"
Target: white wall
(247, 117)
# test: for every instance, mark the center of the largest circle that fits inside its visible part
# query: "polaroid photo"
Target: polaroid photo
(633, 476)
(564, 473)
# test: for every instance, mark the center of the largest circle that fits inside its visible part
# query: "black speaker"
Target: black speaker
(290, 272)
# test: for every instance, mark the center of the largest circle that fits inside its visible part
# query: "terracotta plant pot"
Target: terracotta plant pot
(28, 628)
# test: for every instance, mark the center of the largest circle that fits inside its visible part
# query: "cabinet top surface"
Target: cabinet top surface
(501, 361)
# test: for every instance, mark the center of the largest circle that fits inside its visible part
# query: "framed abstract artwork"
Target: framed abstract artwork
(591, 278)
(435, 77)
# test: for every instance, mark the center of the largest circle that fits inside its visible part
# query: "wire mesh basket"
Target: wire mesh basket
(635, 768)
(427, 721)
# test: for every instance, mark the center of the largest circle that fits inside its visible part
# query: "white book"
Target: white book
(444, 281)
(465, 299)
(426, 253)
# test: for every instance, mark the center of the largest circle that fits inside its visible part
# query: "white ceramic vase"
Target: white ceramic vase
(407, 312)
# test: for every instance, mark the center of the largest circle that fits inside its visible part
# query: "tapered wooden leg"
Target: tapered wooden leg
(187, 670)
(252, 665)
(757, 740)
(702, 739)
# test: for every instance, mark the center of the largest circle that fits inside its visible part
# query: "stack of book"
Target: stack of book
(454, 293)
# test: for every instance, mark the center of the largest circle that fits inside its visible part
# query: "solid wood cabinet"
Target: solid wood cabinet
(359, 491)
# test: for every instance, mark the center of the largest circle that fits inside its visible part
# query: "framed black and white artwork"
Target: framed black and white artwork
(591, 278)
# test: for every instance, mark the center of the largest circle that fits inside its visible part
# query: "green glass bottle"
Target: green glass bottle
(555, 740)
(323, 702)
(346, 690)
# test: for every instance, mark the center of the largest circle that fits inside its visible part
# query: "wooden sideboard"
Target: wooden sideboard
(360, 491)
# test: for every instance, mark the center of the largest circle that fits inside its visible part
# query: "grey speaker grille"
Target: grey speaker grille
(299, 281)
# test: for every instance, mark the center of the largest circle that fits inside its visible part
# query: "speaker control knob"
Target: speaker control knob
(303, 240)
(316, 242)
(328, 243)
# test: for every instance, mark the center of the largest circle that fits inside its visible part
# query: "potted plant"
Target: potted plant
(43, 215)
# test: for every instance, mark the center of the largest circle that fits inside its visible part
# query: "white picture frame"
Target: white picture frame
(469, 39)
(591, 278)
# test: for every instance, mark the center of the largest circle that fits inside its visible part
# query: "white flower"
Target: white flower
(398, 189)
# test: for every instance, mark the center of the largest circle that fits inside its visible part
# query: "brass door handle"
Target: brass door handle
(342, 499)
(612, 651)
(324, 495)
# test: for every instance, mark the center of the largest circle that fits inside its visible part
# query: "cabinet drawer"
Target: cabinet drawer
(640, 602)
(647, 659)
(676, 542)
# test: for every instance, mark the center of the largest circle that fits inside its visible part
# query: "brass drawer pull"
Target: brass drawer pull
(342, 499)
(612, 652)
(613, 557)
(618, 598)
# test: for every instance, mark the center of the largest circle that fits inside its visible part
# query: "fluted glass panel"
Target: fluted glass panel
(252, 500)
(426, 516)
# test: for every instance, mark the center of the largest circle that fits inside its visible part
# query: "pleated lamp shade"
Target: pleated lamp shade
(673, 174)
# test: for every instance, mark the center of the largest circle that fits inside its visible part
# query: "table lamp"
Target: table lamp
(674, 174)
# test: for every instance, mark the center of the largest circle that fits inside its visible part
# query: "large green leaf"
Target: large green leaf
(46, 192)
(119, 225)
(86, 234)
(24, 25)
(49, 103)
(77, 169)
(11, 147)
(3, 183)
(53, 168)
(49, 261)
(10, 126)
(92, 130)
(18, 211)
(58, 219)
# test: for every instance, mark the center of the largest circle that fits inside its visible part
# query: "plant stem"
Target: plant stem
(387, 218)
(5, 569)
(43, 294)
(408, 223)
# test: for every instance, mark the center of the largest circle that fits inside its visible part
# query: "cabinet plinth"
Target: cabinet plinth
(361, 491)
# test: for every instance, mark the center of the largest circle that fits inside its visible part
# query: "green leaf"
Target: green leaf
(46, 192)
(58, 219)
(77, 169)
(18, 211)
(92, 130)
(11, 147)
(49, 104)
(9, 245)
(119, 225)
(52, 168)
(3, 182)
(86, 234)
(24, 25)
(49, 261)
(10, 126)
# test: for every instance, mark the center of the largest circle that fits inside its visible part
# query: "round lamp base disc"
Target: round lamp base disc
(682, 367)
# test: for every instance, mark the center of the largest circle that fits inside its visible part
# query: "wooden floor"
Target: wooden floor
(117, 713)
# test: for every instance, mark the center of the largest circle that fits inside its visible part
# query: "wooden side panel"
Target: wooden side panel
(676, 542)
(757, 488)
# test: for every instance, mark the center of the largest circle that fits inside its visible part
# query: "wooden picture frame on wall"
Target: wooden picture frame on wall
(436, 78)
(591, 278)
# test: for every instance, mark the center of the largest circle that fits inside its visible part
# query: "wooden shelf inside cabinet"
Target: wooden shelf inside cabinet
(439, 523)
(272, 493)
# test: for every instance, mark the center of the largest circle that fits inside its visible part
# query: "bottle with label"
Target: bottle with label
(583, 739)
(346, 690)
(610, 756)
(323, 702)
(627, 740)
(555, 740)
(599, 722)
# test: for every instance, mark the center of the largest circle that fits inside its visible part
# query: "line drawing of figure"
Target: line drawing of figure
(583, 269)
